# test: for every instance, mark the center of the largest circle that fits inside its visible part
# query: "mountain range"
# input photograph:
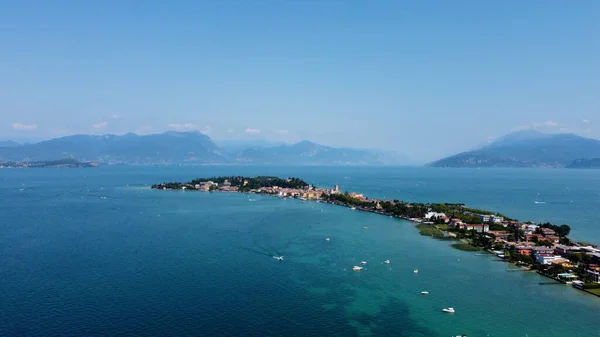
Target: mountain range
(190, 147)
(527, 149)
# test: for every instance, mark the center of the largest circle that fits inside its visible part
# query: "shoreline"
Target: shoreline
(544, 248)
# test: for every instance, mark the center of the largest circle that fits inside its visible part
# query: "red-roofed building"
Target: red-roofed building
(548, 231)
(500, 234)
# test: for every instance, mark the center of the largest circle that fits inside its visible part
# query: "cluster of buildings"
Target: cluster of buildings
(210, 186)
(483, 227)
(457, 223)
(542, 244)
(308, 192)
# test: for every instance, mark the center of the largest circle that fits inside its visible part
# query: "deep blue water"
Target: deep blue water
(94, 252)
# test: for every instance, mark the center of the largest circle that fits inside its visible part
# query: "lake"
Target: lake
(95, 252)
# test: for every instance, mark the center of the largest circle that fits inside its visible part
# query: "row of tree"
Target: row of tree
(243, 183)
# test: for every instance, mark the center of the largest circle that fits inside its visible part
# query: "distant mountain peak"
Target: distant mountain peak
(528, 148)
(306, 143)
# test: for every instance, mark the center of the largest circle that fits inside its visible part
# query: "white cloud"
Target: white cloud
(521, 128)
(551, 124)
(100, 125)
(189, 127)
(281, 132)
(183, 127)
(252, 131)
(24, 127)
(538, 126)
(114, 116)
(585, 121)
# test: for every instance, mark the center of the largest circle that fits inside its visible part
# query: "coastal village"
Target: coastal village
(544, 248)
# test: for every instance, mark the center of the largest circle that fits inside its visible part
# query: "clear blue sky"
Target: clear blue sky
(426, 78)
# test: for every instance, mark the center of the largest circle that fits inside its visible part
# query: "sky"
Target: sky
(424, 78)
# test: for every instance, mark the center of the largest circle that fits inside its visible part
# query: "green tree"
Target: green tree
(496, 226)
(576, 257)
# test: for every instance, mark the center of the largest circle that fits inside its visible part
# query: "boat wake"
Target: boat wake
(274, 254)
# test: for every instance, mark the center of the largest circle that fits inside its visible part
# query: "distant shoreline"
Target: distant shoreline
(62, 163)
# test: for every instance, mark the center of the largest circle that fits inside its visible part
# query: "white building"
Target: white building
(481, 228)
(492, 218)
(430, 215)
(529, 229)
(546, 258)
(496, 219)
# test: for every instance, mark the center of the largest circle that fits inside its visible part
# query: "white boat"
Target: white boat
(365, 227)
(353, 208)
(416, 271)
(424, 292)
(327, 239)
(280, 258)
(357, 268)
(386, 261)
(363, 262)
(449, 310)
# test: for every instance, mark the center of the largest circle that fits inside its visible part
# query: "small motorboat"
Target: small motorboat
(386, 261)
(353, 208)
(357, 268)
(416, 271)
(280, 258)
(448, 310)
(424, 292)
(363, 262)
(365, 227)
(327, 239)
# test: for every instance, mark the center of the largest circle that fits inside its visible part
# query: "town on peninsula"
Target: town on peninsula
(543, 247)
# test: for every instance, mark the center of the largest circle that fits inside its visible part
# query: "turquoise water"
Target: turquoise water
(95, 252)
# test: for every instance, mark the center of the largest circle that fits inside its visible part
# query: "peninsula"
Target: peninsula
(545, 247)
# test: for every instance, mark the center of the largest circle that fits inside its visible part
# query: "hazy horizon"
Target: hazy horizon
(424, 79)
